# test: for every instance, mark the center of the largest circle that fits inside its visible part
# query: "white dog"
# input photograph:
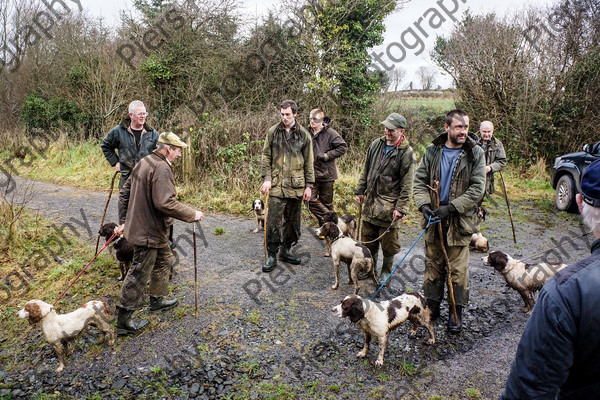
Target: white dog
(59, 328)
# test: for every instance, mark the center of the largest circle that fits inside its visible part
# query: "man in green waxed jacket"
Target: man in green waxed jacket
(459, 167)
(287, 170)
(384, 190)
(495, 157)
(130, 141)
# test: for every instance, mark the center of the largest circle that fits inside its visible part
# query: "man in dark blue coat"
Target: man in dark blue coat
(559, 353)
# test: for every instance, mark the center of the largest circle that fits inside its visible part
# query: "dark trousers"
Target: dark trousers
(321, 200)
(390, 245)
(149, 264)
(283, 222)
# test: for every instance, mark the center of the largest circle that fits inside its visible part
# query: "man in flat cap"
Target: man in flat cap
(385, 189)
(559, 352)
(147, 206)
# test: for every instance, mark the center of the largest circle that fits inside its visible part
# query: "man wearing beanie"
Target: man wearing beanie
(559, 353)
(147, 206)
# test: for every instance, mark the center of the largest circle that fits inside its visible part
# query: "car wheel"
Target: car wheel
(565, 194)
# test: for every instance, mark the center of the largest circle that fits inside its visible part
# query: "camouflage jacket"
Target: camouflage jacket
(288, 164)
(386, 182)
(495, 157)
(466, 189)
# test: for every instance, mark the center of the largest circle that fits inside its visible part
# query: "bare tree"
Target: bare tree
(396, 77)
(427, 77)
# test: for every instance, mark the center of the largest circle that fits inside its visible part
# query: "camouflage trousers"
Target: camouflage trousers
(149, 264)
(435, 279)
(389, 242)
(283, 222)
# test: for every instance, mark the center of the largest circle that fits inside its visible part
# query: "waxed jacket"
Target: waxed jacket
(128, 152)
(559, 352)
(148, 204)
(466, 188)
(329, 142)
(495, 157)
(288, 164)
(386, 182)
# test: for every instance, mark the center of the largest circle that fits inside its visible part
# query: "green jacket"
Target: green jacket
(387, 183)
(288, 164)
(466, 189)
(495, 157)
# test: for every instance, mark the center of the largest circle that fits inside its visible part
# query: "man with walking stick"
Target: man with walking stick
(287, 170)
(384, 191)
(495, 157)
(147, 206)
(458, 165)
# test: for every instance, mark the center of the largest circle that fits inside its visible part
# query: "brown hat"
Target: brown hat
(394, 121)
(171, 139)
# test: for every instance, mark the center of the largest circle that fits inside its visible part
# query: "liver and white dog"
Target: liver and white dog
(524, 278)
(380, 318)
(59, 328)
(258, 206)
(120, 248)
(346, 223)
(356, 256)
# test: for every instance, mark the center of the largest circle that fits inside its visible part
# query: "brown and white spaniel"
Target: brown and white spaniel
(59, 328)
(380, 318)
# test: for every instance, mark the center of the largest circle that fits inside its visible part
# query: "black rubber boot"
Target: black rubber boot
(271, 262)
(455, 326)
(160, 303)
(125, 326)
(386, 268)
(286, 256)
(434, 309)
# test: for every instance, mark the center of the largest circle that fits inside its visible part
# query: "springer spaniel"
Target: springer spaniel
(524, 278)
(120, 248)
(258, 206)
(59, 328)
(380, 318)
(356, 256)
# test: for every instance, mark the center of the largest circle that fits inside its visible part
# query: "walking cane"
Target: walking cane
(112, 185)
(441, 233)
(512, 224)
(359, 218)
(195, 270)
(265, 225)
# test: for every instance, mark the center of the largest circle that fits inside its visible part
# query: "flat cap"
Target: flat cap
(172, 139)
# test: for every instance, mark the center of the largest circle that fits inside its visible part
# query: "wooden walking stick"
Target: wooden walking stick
(265, 225)
(441, 233)
(359, 218)
(512, 224)
(195, 269)
(112, 185)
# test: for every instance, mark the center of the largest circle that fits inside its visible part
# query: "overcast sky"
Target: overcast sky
(399, 25)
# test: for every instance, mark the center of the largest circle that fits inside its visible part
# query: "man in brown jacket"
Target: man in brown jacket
(327, 146)
(147, 206)
(287, 170)
(385, 189)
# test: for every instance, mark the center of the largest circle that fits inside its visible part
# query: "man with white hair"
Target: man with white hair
(130, 141)
(559, 353)
(495, 157)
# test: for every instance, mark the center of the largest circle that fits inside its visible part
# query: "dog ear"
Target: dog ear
(35, 313)
(353, 309)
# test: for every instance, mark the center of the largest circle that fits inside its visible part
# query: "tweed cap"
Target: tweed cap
(172, 139)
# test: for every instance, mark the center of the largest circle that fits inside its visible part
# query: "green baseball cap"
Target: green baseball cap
(394, 121)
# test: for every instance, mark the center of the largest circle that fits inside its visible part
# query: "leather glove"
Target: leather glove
(426, 211)
(444, 211)
(324, 157)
